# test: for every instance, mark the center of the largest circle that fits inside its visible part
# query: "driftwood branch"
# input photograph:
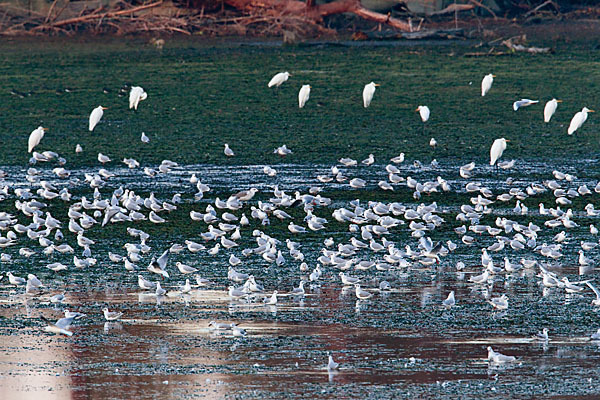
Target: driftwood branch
(90, 17)
(318, 12)
(50, 11)
(478, 4)
(519, 47)
(454, 8)
(536, 9)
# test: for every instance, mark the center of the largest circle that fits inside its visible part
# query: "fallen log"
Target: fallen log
(532, 50)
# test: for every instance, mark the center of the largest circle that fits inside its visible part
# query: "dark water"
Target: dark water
(398, 343)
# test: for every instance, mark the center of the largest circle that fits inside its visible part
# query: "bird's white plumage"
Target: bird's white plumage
(95, 116)
(303, 95)
(136, 95)
(550, 109)
(424, 113)
(486, 84)
(523, 103)
(497, 149)
(278, 79)
(368, 93)
(578, 120)
(34, 138)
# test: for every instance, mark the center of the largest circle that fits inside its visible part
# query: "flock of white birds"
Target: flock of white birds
(225, 223)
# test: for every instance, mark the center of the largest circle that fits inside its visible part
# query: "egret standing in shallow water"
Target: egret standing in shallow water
(486, 83)
(95, 116)
(368, 93)
(278, 79)
(578, 120)
(497, 149)
(35, 137)
(550, 109)
(303, 95)
(424, 113)
(136, 95)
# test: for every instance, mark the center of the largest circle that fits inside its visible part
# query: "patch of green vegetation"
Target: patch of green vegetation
(201, 96)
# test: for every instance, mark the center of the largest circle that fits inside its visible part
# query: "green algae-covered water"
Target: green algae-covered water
(401, 343)
(201, 96)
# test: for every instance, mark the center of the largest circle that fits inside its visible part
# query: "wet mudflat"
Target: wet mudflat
(401, 342)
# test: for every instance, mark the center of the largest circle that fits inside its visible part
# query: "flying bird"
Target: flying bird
(523, 103)
(61, 326)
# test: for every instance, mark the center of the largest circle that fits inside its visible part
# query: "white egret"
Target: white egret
(136, 95)
(279, 78)
(550, 109)
(497, 149)
(523, 103)
(303, 95)
(95, 116)
(423, 112)
(368, 93)
(578, 120)
(35, 137)
(486, 83)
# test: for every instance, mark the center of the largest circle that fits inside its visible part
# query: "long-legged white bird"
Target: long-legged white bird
(95, 116)
(550, 109)
(486, 83)
(35, 137)
(303, 95)
(424, 113)
(368, 93)
(278, 79)
(497, 149)
(578, 120)
(136, 95)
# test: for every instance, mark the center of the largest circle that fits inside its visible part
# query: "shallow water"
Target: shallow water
(400, 343)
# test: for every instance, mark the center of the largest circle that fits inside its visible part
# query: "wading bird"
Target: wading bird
(368, 93)
(95, 116)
